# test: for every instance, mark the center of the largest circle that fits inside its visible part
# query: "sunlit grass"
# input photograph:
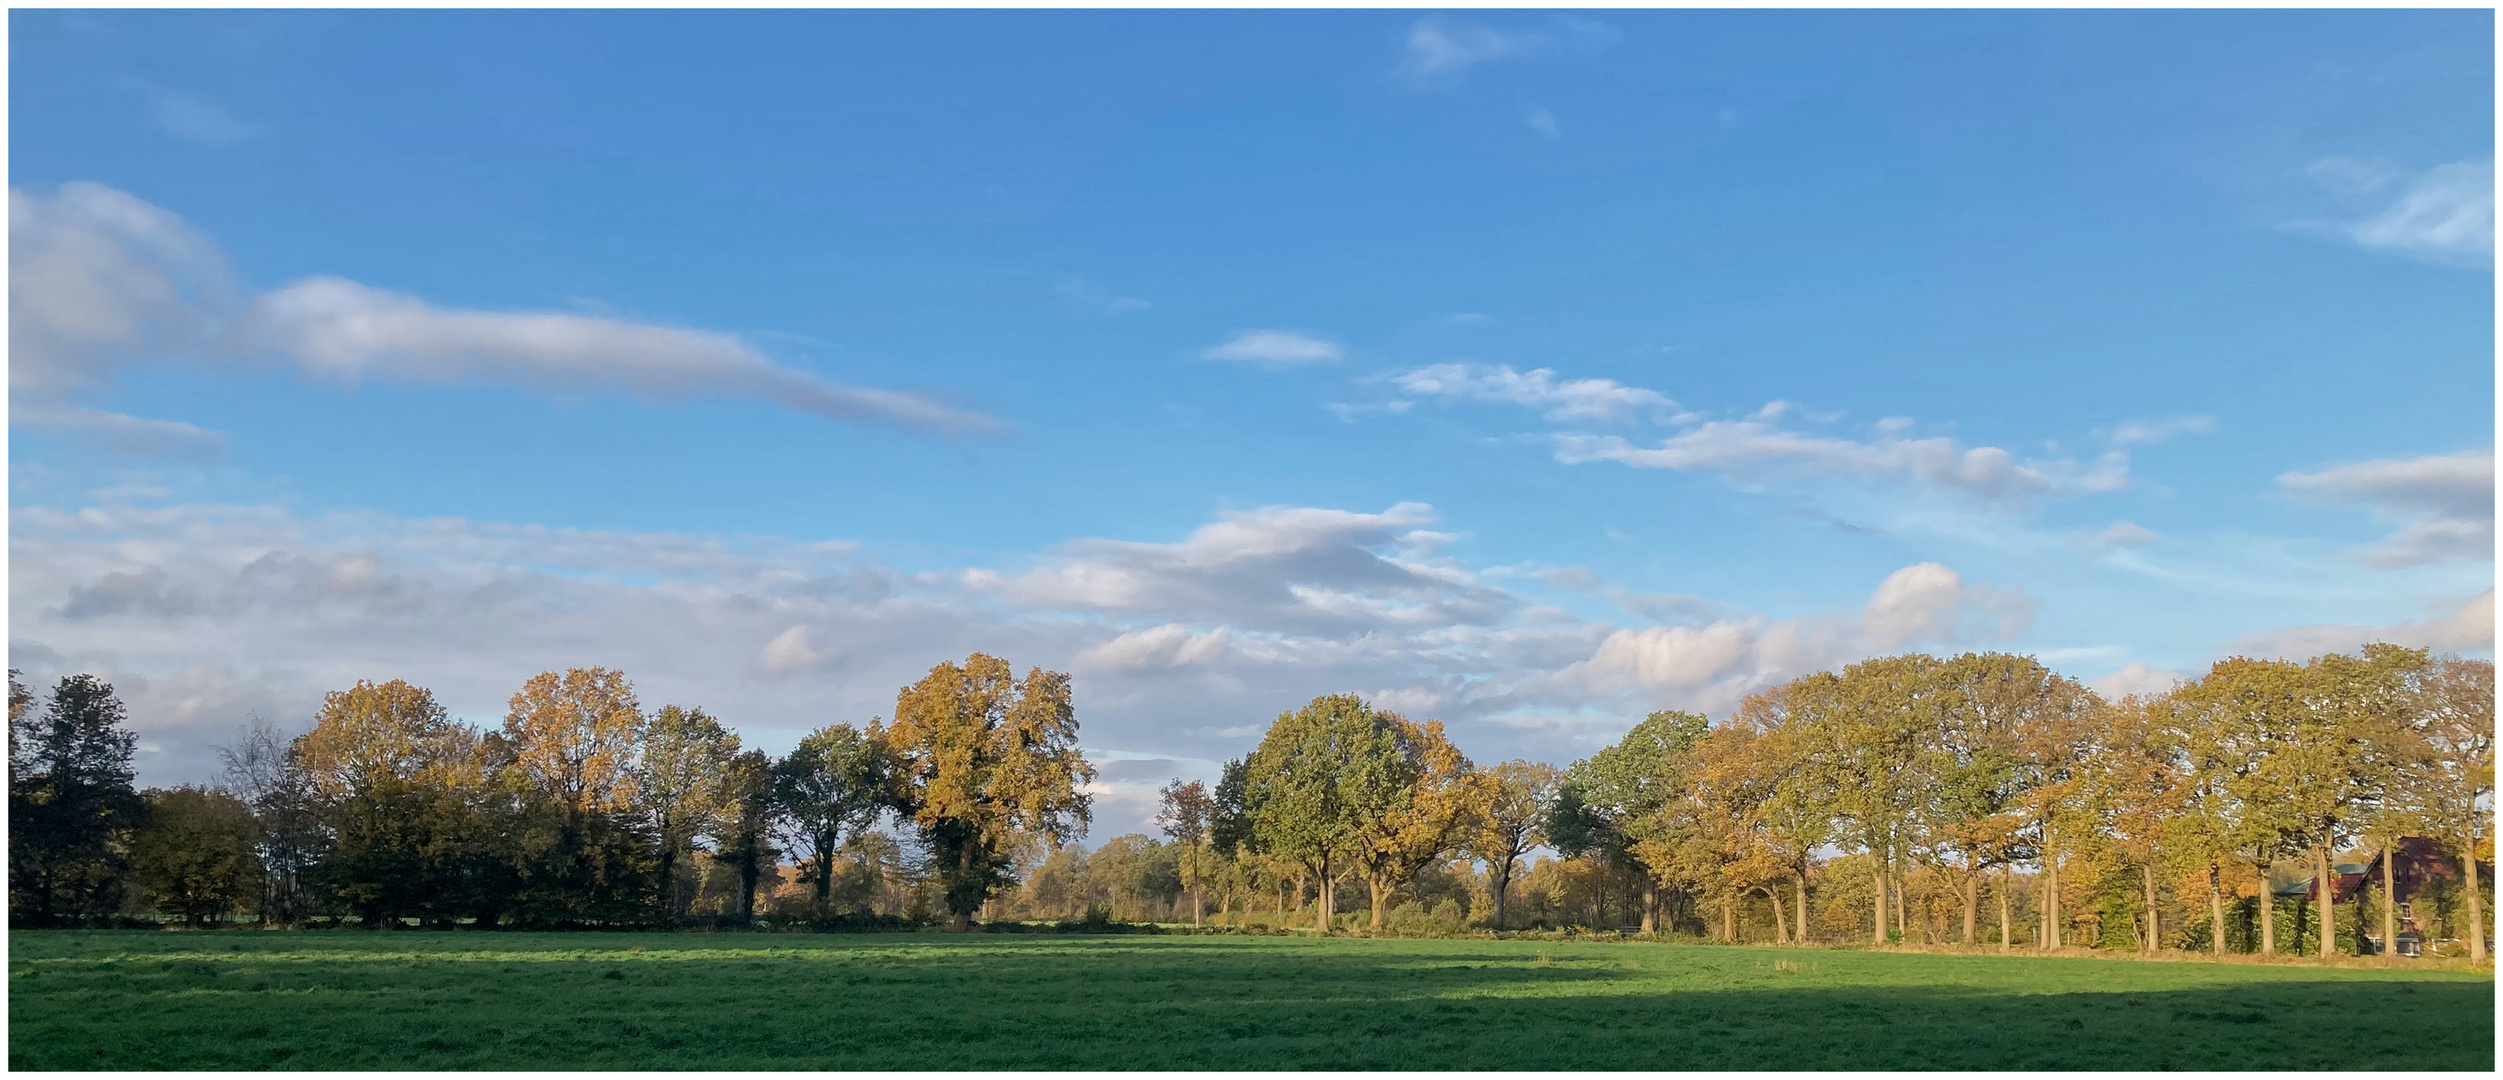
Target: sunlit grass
(518, 1001)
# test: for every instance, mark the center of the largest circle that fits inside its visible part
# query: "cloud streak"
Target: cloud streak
(100, 280)
(2446, 500)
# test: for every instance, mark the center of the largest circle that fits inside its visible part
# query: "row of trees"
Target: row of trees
(1978, 797)
(581, 809)
(1978, 774)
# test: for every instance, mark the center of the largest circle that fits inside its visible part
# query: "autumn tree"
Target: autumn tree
(571, 743)
(2456, 791)
(1417, 827)
(1519, 797)
(681, 788)
(71, 804)
(1319, 774)
(983, 758)
(832, 787)
(1186, 812)
(1797, 813)
(195, 857)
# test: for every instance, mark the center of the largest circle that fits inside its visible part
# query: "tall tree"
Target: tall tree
(1620, 797)
(71, 804)
(742, 834)
(572, 742)
(1319, 773)
(262, 769)
(1416, 828)
(2457, 790)
(389, 772)
(984, 758)
(833, 786)
(195, 856)
(1798, 811)
(680, 786)
(1520, 795)
(1186, 812)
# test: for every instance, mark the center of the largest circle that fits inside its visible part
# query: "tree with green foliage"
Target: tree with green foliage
(680, 788)
(1621, 797)
(983, 759)
(1520, 796)
(393, 779)
(830, 788)
(1186, 812)
(71, 803)
(1319, 774)
(195, 857)
(742, 833)
(1425, 823)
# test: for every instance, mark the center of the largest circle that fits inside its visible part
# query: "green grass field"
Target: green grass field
(248, 1000)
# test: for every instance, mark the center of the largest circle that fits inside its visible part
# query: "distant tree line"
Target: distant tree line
(1981, 799)
(580, 810)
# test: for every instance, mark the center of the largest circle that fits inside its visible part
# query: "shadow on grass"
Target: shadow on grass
(310, 1001)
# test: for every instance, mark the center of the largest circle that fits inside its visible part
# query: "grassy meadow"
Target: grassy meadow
(416, 1000)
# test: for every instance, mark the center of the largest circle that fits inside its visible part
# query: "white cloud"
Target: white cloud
(99, 280)
(2137, 678)
(2162, 429)
(1091, 296)
(2467, 627)
(2447, 501)
(1717, 663)
(1437, 54)
(1282, 347)
(791, 650)
(2444, 214)
(1167, 646)
(1541, 121)
(1556, 399)
(116, 433)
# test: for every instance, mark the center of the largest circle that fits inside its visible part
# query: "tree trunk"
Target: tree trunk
(1729, 918)
(1972, 904)
(1781, 926)
(825, 882)
(2268, 914)
(2050, 901)
(1651, 907)
(1903, 895)
(2328, 889)
(2476, 904)
(748, 874)
(2389, 901)
(1878, 878)
(1803, 901)
(2007, 917)
(2155, 919)
(1381, 895)
(1500, 878)
(1329, 890)
(2216, 909)
(669, 886)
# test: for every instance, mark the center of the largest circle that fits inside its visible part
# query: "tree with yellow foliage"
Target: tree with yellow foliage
(983, 758)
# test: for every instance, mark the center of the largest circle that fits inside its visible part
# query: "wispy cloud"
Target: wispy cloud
(1761, 446)
(1541, 121)
(2444, 214)
(1437, 53)
(2469, 625)
(1538, 388)
(100, 280)
(2159, 430)
(2447, 501)
(1091, 296)
(1284, 348)
(189, 116)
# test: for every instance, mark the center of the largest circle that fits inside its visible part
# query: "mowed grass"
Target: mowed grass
(409, 1000)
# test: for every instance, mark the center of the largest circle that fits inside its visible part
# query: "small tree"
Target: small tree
(262, 769)
(1185, 813)
(195, 857)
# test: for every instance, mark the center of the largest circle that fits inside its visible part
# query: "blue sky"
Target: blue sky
(1525, 370)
